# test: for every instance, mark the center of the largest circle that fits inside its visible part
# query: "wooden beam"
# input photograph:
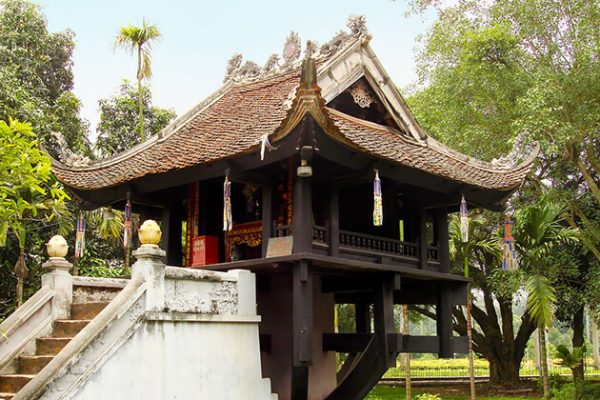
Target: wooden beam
(383, 315)
(346, 342)
(302, 319)
(362, 317)
(302, 216)
(334, 222)
(357, 342)
(422, 238)
(443, 311)
(267, 217)
(299, 383)
(441, 227)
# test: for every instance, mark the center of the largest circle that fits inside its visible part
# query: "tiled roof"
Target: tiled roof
(229, 125)
(429, 155)
(234, 120)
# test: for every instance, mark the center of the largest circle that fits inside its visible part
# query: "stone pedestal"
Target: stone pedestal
(151, 268)
(59, 279)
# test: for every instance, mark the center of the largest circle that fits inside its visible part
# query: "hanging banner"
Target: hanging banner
(377, 201)
(127, 227)
(509, 259)
(227, 217)
(80, 237)
(464, 221)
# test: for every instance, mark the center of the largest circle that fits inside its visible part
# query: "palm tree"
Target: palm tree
(139, 39)
(476, 248)
(539, 230)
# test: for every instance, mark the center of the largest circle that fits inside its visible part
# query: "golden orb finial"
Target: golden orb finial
(149, 234)
(57, 246)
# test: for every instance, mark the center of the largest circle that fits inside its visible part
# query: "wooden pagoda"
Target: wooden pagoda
(301, 144)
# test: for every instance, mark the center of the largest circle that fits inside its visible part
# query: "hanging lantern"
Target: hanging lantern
(227, 217)
(127, 227)
(80, 237)
(464, 221)
(377, 201)
(509, 260)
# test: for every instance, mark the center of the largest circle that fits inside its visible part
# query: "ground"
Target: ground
(448, 392)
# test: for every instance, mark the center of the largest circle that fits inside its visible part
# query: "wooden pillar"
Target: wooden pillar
(362, 317)
(267, 217)
(441, 227)
(334, 222)
(302, 217)
(171, 237)
(302, 327)
(423, 238)
(443, 312)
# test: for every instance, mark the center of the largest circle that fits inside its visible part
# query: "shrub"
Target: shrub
(576, 391)
(428, 396)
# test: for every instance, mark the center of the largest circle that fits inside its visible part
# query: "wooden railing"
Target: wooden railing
(320, 234)
(432, 254)
(378, 244)
(363, 242)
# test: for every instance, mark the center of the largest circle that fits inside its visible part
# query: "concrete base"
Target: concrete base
(183, 360)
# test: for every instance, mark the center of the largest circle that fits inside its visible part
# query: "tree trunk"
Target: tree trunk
(595, 347)
(536, 351)
(140, 95)
(470, 341)
(406, 356)
(578, 341)
(544, 356)
(503, 373)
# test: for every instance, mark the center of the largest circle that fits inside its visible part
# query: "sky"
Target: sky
(199, 37)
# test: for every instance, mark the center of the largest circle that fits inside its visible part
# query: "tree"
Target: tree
(527, 67)
(36, 75)
(139, 39)
(117, 125)
(519, 67)
(539, 231)
(29, 194)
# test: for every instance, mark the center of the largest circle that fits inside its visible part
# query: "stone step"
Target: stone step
(68, 328)
(50, 346)
(6, 396)
(13, 383)
(33, 364)
(87, 311)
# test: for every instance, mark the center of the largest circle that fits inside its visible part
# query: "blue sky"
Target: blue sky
(200, 36)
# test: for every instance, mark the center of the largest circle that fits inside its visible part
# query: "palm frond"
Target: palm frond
(540, 299)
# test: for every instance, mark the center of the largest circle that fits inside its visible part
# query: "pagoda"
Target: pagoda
(312, 173)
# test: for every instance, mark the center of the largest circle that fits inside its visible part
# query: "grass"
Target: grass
(397, 393)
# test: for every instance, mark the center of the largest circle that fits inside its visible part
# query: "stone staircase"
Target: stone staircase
(83, 310)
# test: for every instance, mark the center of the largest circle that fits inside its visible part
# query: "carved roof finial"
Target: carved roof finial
(233, 67)
(291, 48)
(357, 25)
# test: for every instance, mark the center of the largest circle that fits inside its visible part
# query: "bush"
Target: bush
(428, 396)
(576, 391)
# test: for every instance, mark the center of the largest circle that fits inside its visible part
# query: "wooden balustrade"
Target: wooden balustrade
(363, 242)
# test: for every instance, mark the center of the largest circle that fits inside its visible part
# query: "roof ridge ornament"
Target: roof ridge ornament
(520, 151)
(68, 156)
(292, 48)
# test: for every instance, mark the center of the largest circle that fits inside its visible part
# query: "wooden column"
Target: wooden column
(362, 317)
(171, 236)
(302, 327)
(383, 314)
(441, 227)
(302, 217)
(334, 222)
(443, 311)
(422, 238)
(267, 217)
